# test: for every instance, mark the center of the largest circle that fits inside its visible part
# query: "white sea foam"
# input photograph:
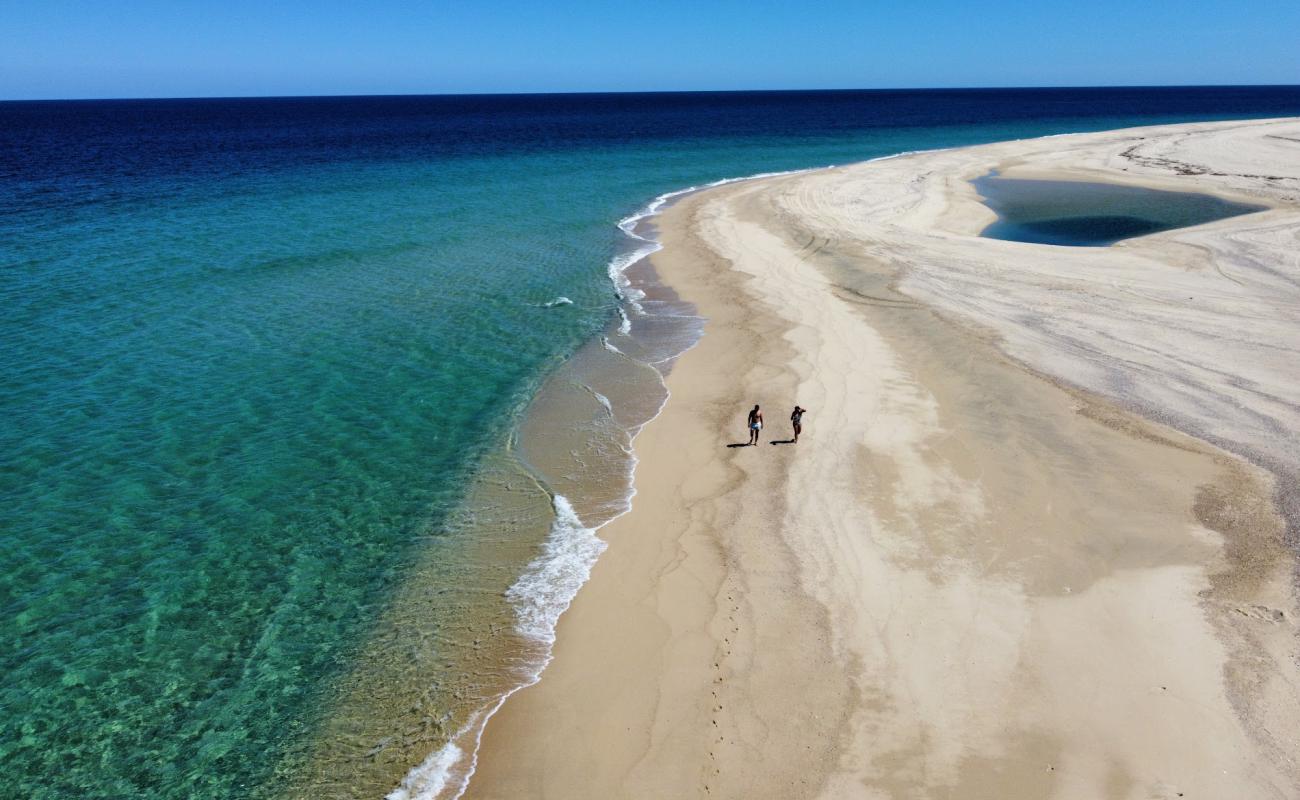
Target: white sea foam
(619, 265)
(540, 595)
(608, 345)
(550, 582)
(559, 301)
(431, 777)
(600, 398)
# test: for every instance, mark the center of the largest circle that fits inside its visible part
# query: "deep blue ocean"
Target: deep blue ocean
(253, 352)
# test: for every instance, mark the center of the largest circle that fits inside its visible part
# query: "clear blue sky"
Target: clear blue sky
(168, 48)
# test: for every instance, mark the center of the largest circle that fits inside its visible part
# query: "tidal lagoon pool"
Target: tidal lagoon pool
(1082, 214)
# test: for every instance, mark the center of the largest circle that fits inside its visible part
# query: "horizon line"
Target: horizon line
(329, 96)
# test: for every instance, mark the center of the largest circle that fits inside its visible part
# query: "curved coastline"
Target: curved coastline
(728, 566)
(551, 580)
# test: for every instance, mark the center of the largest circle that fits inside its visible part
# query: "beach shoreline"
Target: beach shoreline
(989, 575)
(308, 472)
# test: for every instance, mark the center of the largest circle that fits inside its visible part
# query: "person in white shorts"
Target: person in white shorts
(755, 424)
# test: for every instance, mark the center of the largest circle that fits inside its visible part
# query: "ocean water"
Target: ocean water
(312, 407)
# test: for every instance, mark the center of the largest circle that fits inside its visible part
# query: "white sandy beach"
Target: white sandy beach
(1032, 544)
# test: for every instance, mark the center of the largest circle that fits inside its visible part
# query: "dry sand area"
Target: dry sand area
(1034, 541)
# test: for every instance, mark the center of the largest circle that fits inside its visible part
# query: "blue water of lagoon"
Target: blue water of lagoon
(1083, 214)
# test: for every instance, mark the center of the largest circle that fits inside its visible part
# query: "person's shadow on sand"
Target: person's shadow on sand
(782, 441)
(739, 444)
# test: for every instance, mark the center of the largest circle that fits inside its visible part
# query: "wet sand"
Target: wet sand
(1033, 540)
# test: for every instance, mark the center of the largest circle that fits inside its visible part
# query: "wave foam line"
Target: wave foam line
(540, 595)
(619, 265)
(551, 581)
(430, 778)
(600, 398)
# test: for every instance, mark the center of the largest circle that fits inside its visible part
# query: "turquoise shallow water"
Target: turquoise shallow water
(254, 352)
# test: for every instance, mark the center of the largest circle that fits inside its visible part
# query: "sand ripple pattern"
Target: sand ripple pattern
(1197, 328)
